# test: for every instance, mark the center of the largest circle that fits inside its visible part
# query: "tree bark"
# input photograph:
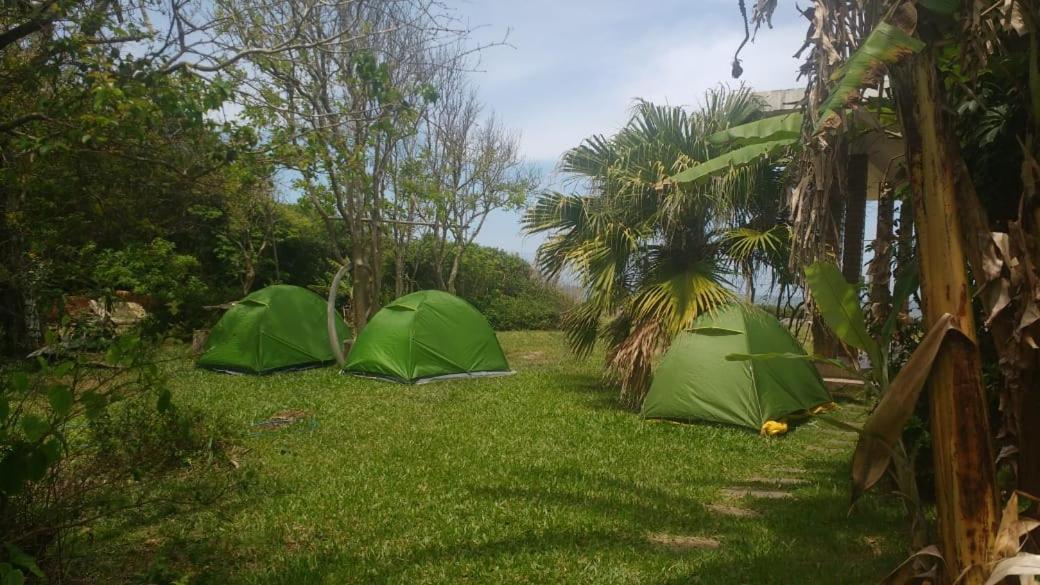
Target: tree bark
(330, 316)
(361, 277)
(855, 218)
(825, 343)
(966, 495)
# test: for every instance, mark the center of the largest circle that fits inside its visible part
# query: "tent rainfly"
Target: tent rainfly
(424, 336)
(695, 381)
(276, 328)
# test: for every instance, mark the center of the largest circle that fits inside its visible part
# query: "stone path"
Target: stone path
(680, 543)
(777, 483)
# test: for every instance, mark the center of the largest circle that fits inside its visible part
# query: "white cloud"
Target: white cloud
(556, 118)
(577, 66)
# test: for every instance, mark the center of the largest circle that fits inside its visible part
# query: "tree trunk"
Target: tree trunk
(456, 261)
(249, 276)
(1028, 410)
(330, 316)
(966, 495)
(825, 343)
(855, 218)
(359, 297)
(399, 272)
(880, 270)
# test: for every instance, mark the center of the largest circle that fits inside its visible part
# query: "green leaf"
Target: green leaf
(5, 409)
(36, 465)
(742, 357)
(19, 381)
(51, 449)
(163, 403)
(95, 403)
(60, 398)
(838, 302)
(907, 282)
(19, 558)
(34, 427)
(885, 425)
(885, 46)
(735, 158)
(944, 7)
(785, 126)
(10, 575)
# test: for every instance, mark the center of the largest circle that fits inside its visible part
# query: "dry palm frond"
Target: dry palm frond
(631, 362)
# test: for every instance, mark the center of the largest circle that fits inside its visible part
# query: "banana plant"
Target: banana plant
(748, 143)
(879, 438)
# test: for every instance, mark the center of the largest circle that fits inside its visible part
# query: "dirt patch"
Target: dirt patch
(680, 543)
(533, 357)
(731, 511)
(874, 545)
(747, 492)
(283, 419)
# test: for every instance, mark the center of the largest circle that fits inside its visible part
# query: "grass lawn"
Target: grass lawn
(534, 478)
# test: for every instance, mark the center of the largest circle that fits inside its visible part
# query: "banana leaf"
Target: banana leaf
(885, 425)
(838, 302)
(734, 158)
(785, 126)
(886, 45)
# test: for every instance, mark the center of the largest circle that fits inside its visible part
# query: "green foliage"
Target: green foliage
(839, 304)
(104, 423)
(155, 269)
(653, 252)
(886, 45)
(768, 129)
(541, 306)
(734, 159)
(501, 285)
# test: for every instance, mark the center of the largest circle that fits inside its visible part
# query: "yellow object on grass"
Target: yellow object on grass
(772, 428)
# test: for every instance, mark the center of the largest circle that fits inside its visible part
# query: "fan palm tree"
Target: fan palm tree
(652, 253)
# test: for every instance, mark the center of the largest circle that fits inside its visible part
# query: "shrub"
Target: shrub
(157, 270)
(91, 438)
(540, 307)
(501, 285)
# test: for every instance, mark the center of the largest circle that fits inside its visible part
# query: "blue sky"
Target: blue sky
(574, 68)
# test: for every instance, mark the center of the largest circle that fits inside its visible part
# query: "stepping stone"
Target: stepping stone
(826, 450)
(731, 511)
(787, 470)
(679, 543)
(747, 492)
(779, 481)
(839, 383)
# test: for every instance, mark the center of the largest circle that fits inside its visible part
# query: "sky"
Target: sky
(573, 68)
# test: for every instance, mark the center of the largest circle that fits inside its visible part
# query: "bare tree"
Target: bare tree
(478, 166)
(351, 86)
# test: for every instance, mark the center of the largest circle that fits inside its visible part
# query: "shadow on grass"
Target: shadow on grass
(809, 538)
(593, 392)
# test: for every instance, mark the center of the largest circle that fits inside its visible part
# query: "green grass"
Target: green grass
(534, 478)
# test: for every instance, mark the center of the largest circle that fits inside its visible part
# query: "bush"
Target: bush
(157, 270)
(501, 285)
(541, 307)
(94, 438)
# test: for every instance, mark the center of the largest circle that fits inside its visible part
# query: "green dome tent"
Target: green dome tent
(424, 336)
(275, 328)
(695, 381)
